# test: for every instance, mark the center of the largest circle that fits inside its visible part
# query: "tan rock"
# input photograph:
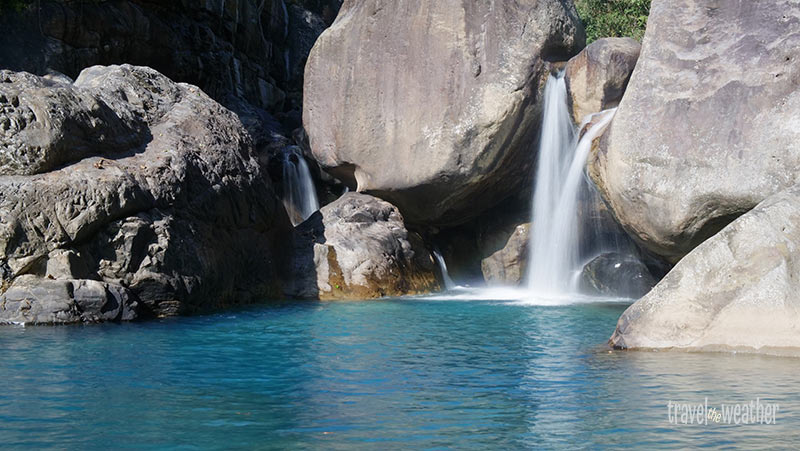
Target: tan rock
(597, 77)
(358, 248)
(736, 291)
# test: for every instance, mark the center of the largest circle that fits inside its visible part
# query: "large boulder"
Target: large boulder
(433, 104)
(710, 123)
(596, 78)
(358, 248)
(182, 219)
(736, 291)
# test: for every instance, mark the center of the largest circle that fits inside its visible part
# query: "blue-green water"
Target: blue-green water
(407, 373)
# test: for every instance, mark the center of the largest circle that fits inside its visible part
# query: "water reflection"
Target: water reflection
(417, 373)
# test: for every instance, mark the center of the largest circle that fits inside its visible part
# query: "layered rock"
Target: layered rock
(736, 291)
(358, 248)
(597, 77)
(710, 122)
(433, 105)
(180, 219)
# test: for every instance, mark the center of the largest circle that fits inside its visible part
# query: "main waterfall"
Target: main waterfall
(562, 200)
(299, 193)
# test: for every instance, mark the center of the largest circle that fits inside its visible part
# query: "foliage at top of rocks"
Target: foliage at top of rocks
(19, 5)
(613, 18)
(13, 5)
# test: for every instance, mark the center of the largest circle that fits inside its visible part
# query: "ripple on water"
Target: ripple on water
(477, 371)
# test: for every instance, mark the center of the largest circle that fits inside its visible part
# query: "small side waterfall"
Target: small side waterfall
(448, 282)
(299, 193)
(559, 216)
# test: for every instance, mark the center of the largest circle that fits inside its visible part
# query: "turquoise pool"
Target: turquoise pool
(421, 373)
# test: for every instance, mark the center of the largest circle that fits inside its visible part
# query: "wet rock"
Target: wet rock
(616, 275)
(358, 248)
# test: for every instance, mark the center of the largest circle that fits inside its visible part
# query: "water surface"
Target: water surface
(397, 373)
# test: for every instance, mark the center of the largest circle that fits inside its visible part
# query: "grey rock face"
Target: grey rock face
(358, 248)
(596, 78)
(618, 275)
(184, 222)
(238, 48)
(433, 105)
(710, 122)
(44, 124)
(736, 291)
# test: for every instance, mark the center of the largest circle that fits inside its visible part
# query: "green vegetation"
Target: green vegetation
(13, 5)
(19, 5)
(613, 18)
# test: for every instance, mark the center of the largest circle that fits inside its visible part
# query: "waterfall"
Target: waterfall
(299, 193)
(448, 282)
(558, 220)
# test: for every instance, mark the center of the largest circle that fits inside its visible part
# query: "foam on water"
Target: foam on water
(520, 296)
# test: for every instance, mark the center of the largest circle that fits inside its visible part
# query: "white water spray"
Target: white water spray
(299, 193)
(560, 182)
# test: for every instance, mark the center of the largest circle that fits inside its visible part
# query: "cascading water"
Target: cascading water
(299, 193)
(448, 282)
(547, 264)
(558, 221)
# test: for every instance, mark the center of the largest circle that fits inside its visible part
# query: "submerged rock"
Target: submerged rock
(358, 248)
(433, 104)
(181, 219)
(736, 291)
(596, 78)
(616, 275)
(710, 122)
